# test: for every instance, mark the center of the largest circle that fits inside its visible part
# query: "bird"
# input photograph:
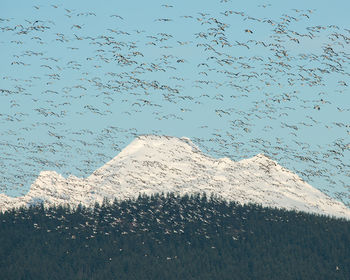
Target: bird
(113, 67)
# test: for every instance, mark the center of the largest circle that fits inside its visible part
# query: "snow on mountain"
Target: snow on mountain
(156, 164)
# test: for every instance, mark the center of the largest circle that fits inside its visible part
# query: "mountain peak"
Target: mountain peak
(261, 158)
(261, 155)
(154, 164)
(164, 139)
(147, 143)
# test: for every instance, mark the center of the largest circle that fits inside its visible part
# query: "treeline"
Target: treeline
(172, 237)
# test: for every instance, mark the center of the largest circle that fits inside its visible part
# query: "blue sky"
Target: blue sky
(79, 83)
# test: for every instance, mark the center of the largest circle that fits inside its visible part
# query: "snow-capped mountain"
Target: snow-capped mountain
(156, 164)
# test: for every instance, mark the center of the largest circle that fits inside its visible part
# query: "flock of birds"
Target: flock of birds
(239, 85)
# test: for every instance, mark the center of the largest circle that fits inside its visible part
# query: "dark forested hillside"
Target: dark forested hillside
(172, 237)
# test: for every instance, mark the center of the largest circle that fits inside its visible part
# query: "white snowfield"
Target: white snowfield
(155, 164)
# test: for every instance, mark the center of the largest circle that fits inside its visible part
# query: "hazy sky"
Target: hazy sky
(80, 79)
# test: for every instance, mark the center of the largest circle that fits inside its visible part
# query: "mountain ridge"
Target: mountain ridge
(160, 164)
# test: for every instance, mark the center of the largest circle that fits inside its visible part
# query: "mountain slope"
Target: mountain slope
(161, 237)
(154, 164)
